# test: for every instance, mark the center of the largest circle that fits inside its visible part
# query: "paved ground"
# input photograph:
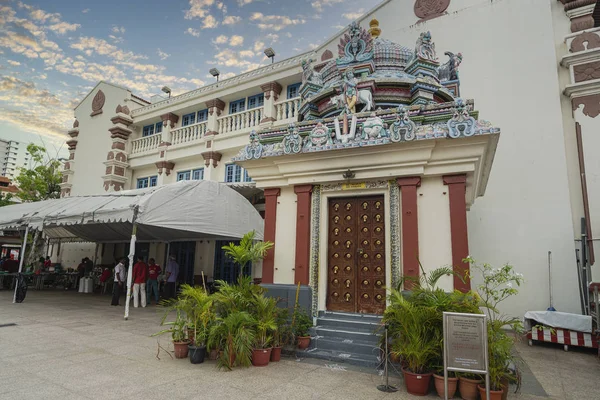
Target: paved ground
(76, 346)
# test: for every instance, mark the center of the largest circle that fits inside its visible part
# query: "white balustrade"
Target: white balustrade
(146, 143)
(238, 121)
(188, 133)
(287, 109)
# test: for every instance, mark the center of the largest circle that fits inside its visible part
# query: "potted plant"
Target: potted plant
(265, 324)
(234, 335)
(497, 285)
(440, 386)
(200, 314)
(468, 385)
(178, 334)
(281, 334)
(301, 323)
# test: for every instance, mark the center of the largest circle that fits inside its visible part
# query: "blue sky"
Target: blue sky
(53, 53)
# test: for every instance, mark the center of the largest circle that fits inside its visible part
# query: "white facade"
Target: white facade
(13, 155)
(512, 49)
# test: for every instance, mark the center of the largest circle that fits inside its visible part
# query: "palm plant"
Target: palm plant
(198, 306)
(283, 334)
(264, 320)
(177, 327)
(248, 251)
(236, 297)
(234, 335)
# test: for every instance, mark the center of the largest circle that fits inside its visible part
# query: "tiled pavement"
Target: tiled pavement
(76, 346)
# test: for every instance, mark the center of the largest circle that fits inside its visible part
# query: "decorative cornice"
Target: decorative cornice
(272, 192)
(216, 103)
(170, 117)
(72, 144)
(166, 166)
(120, 132)
(454, 179)
(590, 39)
(73, 133)
(274, 87)
(409, 181)
(213, 156)
(122, 119)
(574, 4)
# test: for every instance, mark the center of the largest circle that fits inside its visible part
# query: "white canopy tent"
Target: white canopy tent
(186, 210)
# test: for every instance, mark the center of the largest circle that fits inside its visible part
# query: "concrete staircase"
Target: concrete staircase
(345, 338)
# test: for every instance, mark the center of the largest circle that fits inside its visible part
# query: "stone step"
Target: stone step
(346, 345)
(349, 325)
(338, 357)
(350, 316)
(341, 334)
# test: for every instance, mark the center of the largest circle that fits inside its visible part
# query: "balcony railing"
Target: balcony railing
(287, 109)
(242, 120)
(144, 144)
(188, 133)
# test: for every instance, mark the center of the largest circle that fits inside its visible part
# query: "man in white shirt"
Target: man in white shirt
(120, 276)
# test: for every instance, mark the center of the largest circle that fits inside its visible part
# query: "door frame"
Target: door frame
(324, 236)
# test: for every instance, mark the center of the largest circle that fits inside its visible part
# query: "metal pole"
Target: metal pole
(445, 359)
(21, 258)
(387, 387)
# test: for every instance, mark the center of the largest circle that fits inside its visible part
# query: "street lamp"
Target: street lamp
(166, 90)
(215, 72)
(270, 53)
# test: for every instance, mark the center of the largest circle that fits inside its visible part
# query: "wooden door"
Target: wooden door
(356, 255)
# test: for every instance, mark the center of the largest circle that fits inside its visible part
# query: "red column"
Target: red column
(270, 223)
(458, 228)
(303, 193)
(410, 227)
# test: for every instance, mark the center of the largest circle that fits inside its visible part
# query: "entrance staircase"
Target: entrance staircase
(345, 338)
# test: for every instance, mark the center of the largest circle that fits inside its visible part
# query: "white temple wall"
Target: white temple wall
(285, 237)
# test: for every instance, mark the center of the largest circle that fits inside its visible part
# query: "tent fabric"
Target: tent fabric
(186, 210)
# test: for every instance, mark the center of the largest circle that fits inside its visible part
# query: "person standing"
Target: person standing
(119, 282)
(172, 272)
(152, 284)
(140, 274)
(47, 262)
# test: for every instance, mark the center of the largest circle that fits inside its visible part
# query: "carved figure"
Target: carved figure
(461, 122)
(349, 91)
(292, 142)
(425, 47)
(319, 136)
(364, 97)
(403, 126)
(255, 148)
(373, 127)
(356, 45)
(449, 70)
(309, 74)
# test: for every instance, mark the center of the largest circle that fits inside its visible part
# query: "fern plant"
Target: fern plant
(248, 251)
(265, 323)
(198, 306)
(234, 335)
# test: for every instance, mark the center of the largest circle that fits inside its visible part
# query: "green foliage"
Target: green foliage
(301, 323)
(177, 327)
(248, 251)
(236, 297)
(234, 336)
(265, 324)
(283, 334)
(198, 307)
(42, 180)
(5, 199)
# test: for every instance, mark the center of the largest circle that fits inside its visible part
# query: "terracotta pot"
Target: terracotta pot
(213, 354)
(494, 394)
(505, 384)
(181, 349)
(417, 384)
(439, 386)
(468, 388)
(261, 357)
(276, 354)
(303, 342)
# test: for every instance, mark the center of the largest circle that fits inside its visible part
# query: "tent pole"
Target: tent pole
(21, 258)
(130, 273)
(96, 253)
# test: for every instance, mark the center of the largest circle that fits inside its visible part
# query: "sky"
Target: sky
(52, 53)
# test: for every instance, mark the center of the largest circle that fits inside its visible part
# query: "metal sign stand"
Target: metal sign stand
(484, 356)
(387, 387)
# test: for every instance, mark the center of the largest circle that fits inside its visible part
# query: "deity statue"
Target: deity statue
(425, 47)
(255, 148)
(349, 91)
(309, 74)
(292, 142)
(449, 70)
(355, 45)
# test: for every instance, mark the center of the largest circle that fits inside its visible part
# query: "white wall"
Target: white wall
(285, 237)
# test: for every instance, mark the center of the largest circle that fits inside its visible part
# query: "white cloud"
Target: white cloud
(242, 3)
(116, 39)
(13, 63)
(354, 15)
(63, 27)
(91, 45)
(231, 20)
(42, 76)
(209, 22)
(246, 54)
(274, 22)
(230, 58)
(272, 37)
(25, 91)
(319, 4)
(221, 39)
(259, 46)
(162, 55)
(118, 29)
(87, 10)
(193, 32)
(198, 8)
(236, 40)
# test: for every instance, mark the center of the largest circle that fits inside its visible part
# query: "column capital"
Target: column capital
(272, 192)
(580, 12)
(217, 104)
(409, 181)
(166, 166)
(169, 117)
(274, 87)
(211, 156)
(303, 189)
(453, 179)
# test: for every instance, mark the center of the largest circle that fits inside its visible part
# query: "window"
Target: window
(233, 173)
(292, 90)
(148, 130)
(149, 181)
(246, 176)
(183, 175)
(256, 101)
(202, 116)
(188, 119)
(198, 174)
(237, 106)
(158, 127)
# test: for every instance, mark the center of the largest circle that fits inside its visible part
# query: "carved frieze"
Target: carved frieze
(591, 105)
(587, 72)
(98, 103)
(585, 41)
(428, 9)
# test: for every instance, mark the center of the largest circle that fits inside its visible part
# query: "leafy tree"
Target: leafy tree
(5, 199)
(42, 180)
(248, 251)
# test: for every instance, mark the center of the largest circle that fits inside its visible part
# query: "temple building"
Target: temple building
(371, 156)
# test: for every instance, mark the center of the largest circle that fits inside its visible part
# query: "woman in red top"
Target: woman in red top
(140, 273)
(152, 286)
